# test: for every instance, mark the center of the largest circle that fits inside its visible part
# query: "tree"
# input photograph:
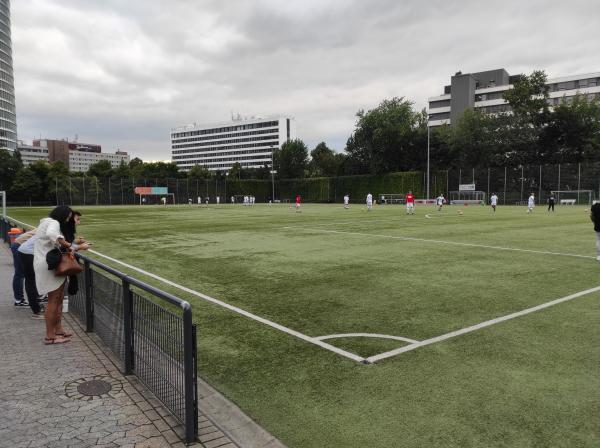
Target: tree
(122, 170)
(472, 139)
(199, 172)
(323, 161)
(291, 159)
(10, 164)
(101, 169)
(529, 97)
(26, 185)
(58, 183)
(391, 137)
(573, 131)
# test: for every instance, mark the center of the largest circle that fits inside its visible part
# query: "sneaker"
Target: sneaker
(44, 299)
(39, 316)
(22, 303)
(597, 258)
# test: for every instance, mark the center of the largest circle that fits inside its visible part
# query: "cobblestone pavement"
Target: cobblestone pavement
(43, 401)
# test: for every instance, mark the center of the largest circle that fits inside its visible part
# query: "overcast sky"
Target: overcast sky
(123, 73)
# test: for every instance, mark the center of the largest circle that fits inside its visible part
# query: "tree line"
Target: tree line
(391, 137)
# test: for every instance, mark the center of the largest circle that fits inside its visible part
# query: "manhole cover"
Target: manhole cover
(97, 387)
(94, 388)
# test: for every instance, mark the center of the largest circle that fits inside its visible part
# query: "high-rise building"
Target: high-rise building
(78, 156)
(30, 154)
(484, 91)
(8, 120)
(249, 142)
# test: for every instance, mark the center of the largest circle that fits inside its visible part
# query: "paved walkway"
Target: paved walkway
(44, 404)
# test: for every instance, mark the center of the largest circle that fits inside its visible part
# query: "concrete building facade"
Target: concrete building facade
(484, 91)
(30, 154)
(80, 161)
(217, 146)
(8, 119)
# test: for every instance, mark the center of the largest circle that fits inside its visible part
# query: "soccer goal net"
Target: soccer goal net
(392, 198)
(3, 199)
(463, 197)
(572, 197)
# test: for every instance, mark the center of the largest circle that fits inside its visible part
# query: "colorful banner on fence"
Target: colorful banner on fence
(151, 190)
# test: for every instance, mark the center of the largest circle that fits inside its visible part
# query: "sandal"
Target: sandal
(52, 341)
(64, 335)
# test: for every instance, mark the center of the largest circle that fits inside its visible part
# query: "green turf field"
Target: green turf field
(531, 381)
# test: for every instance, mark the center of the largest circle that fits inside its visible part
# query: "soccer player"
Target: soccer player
(595, 217)
(494, 201)
(440, 202)
(207, 199)
(190, 201)
(551, 202)
(218, 199)
(369, 202)
(199, 200)
(410, 203)
(298, 202)
(531, 203)
(347, 201)
(164, 201)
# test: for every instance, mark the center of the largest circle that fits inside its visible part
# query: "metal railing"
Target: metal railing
(156, 344)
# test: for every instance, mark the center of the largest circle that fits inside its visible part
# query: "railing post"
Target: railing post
(191, 416)
(128, 326)
(89, 302)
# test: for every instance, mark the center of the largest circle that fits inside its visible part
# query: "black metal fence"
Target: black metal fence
(156, 344)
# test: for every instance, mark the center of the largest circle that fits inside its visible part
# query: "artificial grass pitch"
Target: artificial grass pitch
(528, 382)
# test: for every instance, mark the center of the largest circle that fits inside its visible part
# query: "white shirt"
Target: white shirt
(440, 200)
(48, 233)
(346, 199)
(531, 201)
(494, 199)
(369, 198)
(28, 246)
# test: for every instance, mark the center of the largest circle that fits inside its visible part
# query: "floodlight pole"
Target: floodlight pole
(272, 177)
(427, 197)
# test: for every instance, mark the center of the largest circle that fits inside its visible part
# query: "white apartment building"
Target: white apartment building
(217, 146)
(484, 91)
(80, 161)
(30, 154)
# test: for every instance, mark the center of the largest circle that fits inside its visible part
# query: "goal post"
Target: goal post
(573, 197)
(392, 198)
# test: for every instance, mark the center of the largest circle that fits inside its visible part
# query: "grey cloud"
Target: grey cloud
(123, 73)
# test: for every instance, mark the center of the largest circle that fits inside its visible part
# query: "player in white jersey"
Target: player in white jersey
(440, 202)
(494, 201)
(346, 201)
(369, 202)
(199, 200)
(531, 203)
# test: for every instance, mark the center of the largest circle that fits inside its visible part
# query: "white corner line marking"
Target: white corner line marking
(262, 320)
(367, 335)
(453, 243)
(479, 326)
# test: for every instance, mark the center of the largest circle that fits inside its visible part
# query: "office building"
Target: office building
(30, 153)
(249, 142)
(8, 120)
(78, 156)
(484, 91)
(80, 161)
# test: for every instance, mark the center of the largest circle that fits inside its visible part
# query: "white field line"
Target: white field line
(262, 320)
(479, 326)
(367, 335)
(453, 243)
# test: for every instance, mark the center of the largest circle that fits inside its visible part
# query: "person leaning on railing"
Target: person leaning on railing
(595, 217)
(26, 244)
(49, 236)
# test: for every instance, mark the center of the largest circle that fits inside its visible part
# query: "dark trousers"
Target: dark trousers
(18, 276)
(30, 287)
(550, 206)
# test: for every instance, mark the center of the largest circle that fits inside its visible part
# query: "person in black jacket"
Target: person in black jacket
(551, 202)
(595, 217)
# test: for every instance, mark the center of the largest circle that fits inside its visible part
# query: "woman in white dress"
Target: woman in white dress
(49, 236)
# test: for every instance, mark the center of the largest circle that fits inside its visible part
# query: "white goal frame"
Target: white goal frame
(590, 194)
(3, 194)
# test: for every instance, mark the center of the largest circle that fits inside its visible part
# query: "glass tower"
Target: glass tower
(8, 121)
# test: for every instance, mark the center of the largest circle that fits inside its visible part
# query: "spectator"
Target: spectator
(78, 243)
(595, 216)
(25, 253)
(50, 233)
(18, 276)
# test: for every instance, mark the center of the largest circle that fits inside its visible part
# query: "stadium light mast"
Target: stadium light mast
(272, 176)
(427, 197)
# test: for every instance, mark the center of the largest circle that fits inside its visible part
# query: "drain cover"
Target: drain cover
(94, 388)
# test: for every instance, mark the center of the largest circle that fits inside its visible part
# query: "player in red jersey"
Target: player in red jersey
(410, 203)
(298, 202)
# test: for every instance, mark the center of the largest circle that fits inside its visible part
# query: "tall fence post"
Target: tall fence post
(127, 326)
(504, 186)
(89, 302)
(578, 180)
(191, 417)
(558, 195)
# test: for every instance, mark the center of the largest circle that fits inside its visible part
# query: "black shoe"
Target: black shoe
(22, 303)
(44, 299)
